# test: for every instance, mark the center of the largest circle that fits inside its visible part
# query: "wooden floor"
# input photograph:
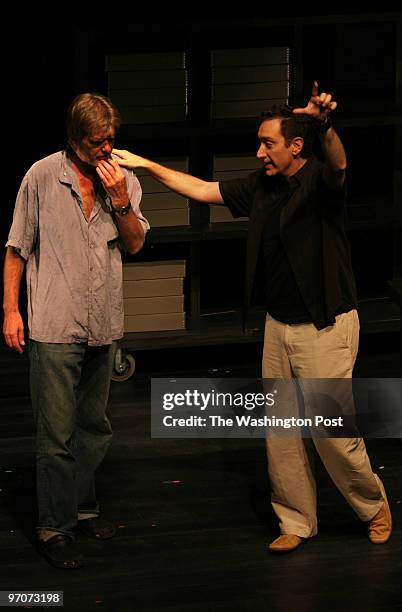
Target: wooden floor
(194, 516)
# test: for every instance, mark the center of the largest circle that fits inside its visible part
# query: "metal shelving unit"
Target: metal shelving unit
(374, 214)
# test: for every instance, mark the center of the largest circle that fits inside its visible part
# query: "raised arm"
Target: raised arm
(318, 109)
(180, 182)
(114, 181)
(13, 326)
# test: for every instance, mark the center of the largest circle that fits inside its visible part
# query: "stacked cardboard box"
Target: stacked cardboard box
(246, 81)
(153, 296)
(148, 88)
(160, 206)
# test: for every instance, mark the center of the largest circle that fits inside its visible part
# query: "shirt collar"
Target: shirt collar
(67, 174)
(69, 177)
(302, 174)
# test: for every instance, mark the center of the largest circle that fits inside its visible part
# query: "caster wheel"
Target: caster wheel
(124, 369)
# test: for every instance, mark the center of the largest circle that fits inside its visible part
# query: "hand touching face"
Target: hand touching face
(113, 181)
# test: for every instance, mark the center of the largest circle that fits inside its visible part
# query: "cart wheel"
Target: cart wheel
(124, 368)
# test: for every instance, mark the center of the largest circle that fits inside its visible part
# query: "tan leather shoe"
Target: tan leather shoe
(285, 543)
(380, 526)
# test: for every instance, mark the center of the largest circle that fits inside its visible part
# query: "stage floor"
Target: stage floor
(194, 515)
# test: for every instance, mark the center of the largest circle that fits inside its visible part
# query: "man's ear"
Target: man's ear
(297, 145)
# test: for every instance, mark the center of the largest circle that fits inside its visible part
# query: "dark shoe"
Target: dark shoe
(380, 526)
(61, 551)
(285, 543)
(97, 527)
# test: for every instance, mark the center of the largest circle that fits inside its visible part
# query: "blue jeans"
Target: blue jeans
(69, 393)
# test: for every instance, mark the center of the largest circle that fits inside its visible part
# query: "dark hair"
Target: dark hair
(292, 126)
(89, 112)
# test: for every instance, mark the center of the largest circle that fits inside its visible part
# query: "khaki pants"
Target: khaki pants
(302, 351)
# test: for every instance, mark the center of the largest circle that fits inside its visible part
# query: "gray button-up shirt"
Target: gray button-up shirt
(74, 269)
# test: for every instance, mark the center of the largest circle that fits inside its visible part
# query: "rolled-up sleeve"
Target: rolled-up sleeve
(135, 194)
(24, 228)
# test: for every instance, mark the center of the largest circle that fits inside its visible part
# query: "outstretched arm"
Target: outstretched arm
(180, 182)
(318, 109)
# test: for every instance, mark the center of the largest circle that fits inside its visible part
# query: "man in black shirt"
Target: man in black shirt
(296, 208)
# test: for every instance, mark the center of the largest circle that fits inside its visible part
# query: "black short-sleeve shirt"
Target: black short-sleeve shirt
(312, 233)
